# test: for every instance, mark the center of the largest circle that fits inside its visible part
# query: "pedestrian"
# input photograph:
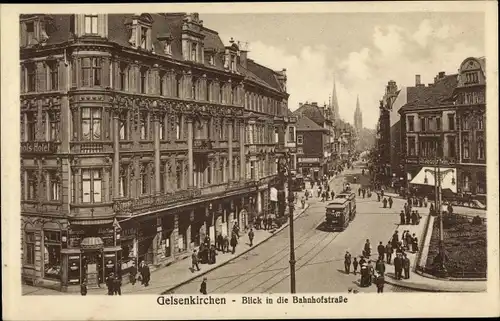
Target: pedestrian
(303, 202)
(364, 275)
(117, 285)
(380, 266)
(250, 236)
(395, 239)
(83, 288)
(146, 274)
(234, 242)
(431, 209)
(132, 274)
(417, 217)
(406, 266)
(388, 252)
(381, 250)
(203, 286)
(355, 265)
(380, 282)
(378, 197)
(390, 201)
(323, 196)
(398, 265)
(236, 230)
(408, 217)
(319, 191)
(404, 239)
(414, 243)
(347, 262)
(409, 240)
(364, 192)
(367, 249)
(371, 271)
(402, 218)
(382, 192)
(110, 283)
(212, 254)
(426, 200)
(450, 209)
(359, 191)
(225, 247)
(333, 194)
(362, 260)
(385, 202)
(194, 261)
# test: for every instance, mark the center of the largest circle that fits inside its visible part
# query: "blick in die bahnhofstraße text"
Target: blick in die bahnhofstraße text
(249, 300)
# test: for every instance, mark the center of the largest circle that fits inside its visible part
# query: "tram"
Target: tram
(340, 212)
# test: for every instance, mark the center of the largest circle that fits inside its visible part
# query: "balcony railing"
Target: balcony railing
(91, 147)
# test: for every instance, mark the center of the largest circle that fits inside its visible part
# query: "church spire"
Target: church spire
(358, 117)
(334, 104)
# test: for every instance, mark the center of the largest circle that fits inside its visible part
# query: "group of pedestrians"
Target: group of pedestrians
(365, 192)
(408, 216)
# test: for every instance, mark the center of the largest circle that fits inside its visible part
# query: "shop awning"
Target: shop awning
(91, 243)
(92, 222)
(426, 176)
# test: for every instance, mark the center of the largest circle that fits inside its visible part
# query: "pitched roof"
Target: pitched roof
(432, 96)
(266, 74)
(304, 123)
(312, 112)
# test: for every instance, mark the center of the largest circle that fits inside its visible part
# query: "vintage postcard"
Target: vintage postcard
(250, 160)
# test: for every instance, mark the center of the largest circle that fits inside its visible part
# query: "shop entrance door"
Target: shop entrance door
(92, 268)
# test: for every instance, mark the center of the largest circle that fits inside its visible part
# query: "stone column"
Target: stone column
(190, 151)
(230, 152)
(157, 241)
(242, 151)
(174, 237)
(188, 232)
(259, 203)
(157, 151)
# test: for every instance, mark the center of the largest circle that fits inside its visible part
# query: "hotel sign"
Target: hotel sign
(38, 148)
(309, 160)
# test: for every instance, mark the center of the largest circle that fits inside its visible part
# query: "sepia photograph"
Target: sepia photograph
(264, 158)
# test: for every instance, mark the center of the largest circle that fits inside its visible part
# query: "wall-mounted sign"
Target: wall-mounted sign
(38, 148)
(309, 160)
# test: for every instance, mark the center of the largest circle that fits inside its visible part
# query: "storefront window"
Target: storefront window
(52, 254)
(481, 183)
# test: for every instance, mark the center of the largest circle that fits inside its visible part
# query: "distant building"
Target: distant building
(311, 140)
(358, 117)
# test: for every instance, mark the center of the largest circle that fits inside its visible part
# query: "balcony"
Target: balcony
(91, 147)
(202, 146)
(131, 207)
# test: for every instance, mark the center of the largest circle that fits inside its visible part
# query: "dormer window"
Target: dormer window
(91, 24)
(233, 63)
(211, 60)
(144, 37)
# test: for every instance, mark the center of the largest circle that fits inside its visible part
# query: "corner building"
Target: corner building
(140, 135)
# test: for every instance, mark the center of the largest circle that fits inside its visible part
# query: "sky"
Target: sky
(362, 51)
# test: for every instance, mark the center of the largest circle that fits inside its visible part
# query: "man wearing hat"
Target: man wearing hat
(110, 283)
(347, 262)
(380, 281)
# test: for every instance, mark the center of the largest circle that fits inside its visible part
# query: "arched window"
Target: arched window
(465, 146)
(466, 182)
(480, 149)
(481, 183)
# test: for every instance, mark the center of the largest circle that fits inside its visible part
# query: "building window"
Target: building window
(144, 125)
(178, 85)
(252, 169)
(221, 130)
(30, 126)
(163, 127)
(123, 125)
(451, 146)
(162, 83)
(233, 63)
(480, 123)
(91, 185)
(143, 84)
(451, 121)
(471, 78)
(30, 31)
(52, 254)
(32, 185)
(123, 76)
(300, 139)
(291, 134)
(53, 126)
(91, 123)
(194, 49)
(178, 127)
(300, 150)
(178, 175)
(194, 88)
(481, 183)
(438, 123)
(423, 123)
(144, 179)
(144, 37)
(54, 186)
(466, 182)
(221, 93)
(480, 149)
(31, 74)
(53, 75)
(91, 24)
(465, 146)
(124, 190)
(29, 240)
(465, 123)
(91, 75)
(411, 146)
(211, 60)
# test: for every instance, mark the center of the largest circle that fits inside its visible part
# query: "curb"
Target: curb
(234, 257)
(430, 288)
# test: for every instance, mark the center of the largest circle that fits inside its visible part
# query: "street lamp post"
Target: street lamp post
(286, 166)
(438, 178)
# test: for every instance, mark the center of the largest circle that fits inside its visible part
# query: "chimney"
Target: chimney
(442, 74)
(417, 80)
(314, 103)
